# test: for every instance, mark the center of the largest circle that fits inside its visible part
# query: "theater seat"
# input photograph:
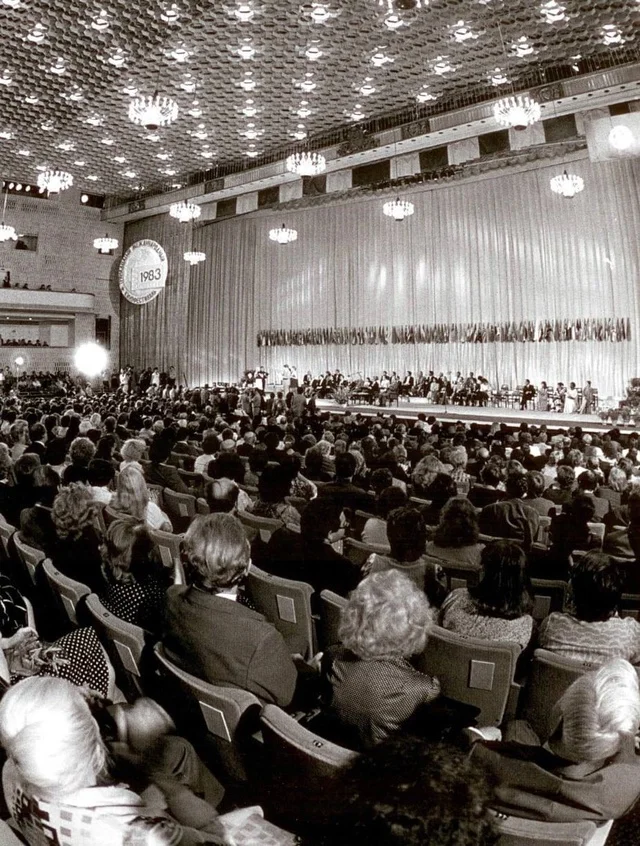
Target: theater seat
(515, 831)
(124, 643)
(68, 592)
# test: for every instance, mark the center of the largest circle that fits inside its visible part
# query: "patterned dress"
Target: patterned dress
(459, 614)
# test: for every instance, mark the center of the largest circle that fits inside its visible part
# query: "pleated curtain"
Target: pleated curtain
(498, 248)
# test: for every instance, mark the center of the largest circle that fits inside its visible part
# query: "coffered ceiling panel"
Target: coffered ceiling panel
(250, 77)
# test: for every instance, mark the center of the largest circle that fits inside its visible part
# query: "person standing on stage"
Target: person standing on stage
(542, 403)
(261, 377)
(528, 393)
(587, 399)
(571, 400)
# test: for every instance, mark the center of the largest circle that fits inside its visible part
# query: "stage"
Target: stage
(409, 407)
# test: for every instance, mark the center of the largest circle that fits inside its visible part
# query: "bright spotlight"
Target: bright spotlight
(91, 359)
(19, 361)
(621, 137)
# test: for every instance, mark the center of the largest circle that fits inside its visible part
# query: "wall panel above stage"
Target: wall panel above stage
(497, 248)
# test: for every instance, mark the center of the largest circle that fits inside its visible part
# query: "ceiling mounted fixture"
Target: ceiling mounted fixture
(246, 51)
(248, 83)
(462, 32)
(553, 12)
(357, 113)
(425, 94)
(106, 244)
(243, 12)
(441, 66)
(367, 88)
(194, 257)
(100, 21)
(498, 77)
(522, 47)
(303, 111)
(180, 53)
(299, 133)
(117, 59)
(6, 78)
(12, 4)
(320, 13)
(567, 184)
(170, 14)
(517, 112)
(612, 35)
(153, 112)
(306, 164)
(283, 234)
(250, 109)
(398, 209)
(393, 21)
(130, 89)
(37, 34)
(621, 137)
(185, 211)
(379, 58)
(313, 53)
(54, 181)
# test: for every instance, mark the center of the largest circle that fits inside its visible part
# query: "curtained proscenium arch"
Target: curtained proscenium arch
(495, 249)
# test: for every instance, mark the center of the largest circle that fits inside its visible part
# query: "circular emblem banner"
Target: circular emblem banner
(143, 272)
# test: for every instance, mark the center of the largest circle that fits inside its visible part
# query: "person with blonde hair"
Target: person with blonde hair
(132, 499)
(209, 633)
(588, 769)
(132, 451)
(374, 688)
(59, 781)
(75, 551)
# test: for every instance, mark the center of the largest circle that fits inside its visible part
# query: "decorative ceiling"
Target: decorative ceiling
(250, 77)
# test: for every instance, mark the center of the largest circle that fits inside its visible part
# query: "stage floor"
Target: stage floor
(409, 408)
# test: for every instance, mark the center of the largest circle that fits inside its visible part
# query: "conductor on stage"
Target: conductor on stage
(528, 393)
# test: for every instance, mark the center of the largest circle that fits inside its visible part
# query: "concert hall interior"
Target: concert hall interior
(341, 297)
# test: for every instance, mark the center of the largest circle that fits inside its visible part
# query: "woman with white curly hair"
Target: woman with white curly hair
(374, 688)
(588, 769)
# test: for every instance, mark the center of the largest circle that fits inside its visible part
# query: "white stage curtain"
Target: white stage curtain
(499, 248)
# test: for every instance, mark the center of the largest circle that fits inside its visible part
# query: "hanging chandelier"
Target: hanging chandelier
(54, 181)
(306, 164)
(7, 233)
(184, 211)
(517, 111)
(194, 257)
(153, 112)
(567, 184)
(106, 244)
(398, 209)
(283, 235)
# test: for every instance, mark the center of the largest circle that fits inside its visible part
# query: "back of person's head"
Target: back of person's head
(617, 479)
(211, 442)
(536, 483)
(587, 481)
(228, 465)
(504, 589)
(319, 518)
(408, 791)
(133, 449)
(490, 474)
(386, 616)
(37, 432)
(380, 479)
(160, 449)
(596, 586)
(50, 736)
(124, 541)
(73, 511)
(596, 711)
(259, 459)
(100, 473)
(132, 494)
(222, 496)
(566, 477)
(274, 484)
(441, 490)
(407, 533)
(516, 485)
(390, 498)
(217, 551)
(582, 508)
(458, 525)
(28, 470)
(345, 465)
(81, 451)
(458, 457)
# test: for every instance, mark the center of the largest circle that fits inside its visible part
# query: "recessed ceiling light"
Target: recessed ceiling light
(130, 174)
(24, 152)
(6, 135)
(612, 35)
(12, 4)
(248, 83)
(94, 120)
(32, 99)
(380, 58)
(119, 159)
(367, 88)
(188, 84)
(93, 177)
(441, 65)
(246, 50)
(320, 13)
(553, 12)
(153, 136)
(461, 32)
(171, 14)
(80, 163)
(47, 126)
(130, 89)
(313, 53)
(100, 21)
(180, 54)
(522, 47)
(498, 77)
(37, 34)
(6, 78)
(244, 12)
(67, 146)
(108, 142)
(195, 110)
(118, 59)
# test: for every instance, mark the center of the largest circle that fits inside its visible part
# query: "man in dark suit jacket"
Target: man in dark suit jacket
(38, 435)
(342, 490)
(512, 517)
(209, 634)
(159, 473)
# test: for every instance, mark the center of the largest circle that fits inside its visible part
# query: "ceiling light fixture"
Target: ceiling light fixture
(249, 109)
(517, 111)
(398, 209)
(299, 133)
(55, 181)
(105, 245)
(153, 112)
(313, 53)
(306, 163)
(379, 59)
(283, 234)
(194, 257)
(248, 83)
(621, 137)
(553, 12)
(320, 13)
(100, 21)
(612, 35)
(180, 54)
(117, 59)
(171, 14)
(522, 47)
(567, 185)
(6, 78)
(244, 13)
(37, 34)
(185, 211)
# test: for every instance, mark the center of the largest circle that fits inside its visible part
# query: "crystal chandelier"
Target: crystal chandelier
(7, 233)
(567, 185)
(194, 256)
(54, 181)
(153, 112)
(517, 111)
(185, 211)
(398, 209)
(283, 235)
(306, 164)
(105, 245)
